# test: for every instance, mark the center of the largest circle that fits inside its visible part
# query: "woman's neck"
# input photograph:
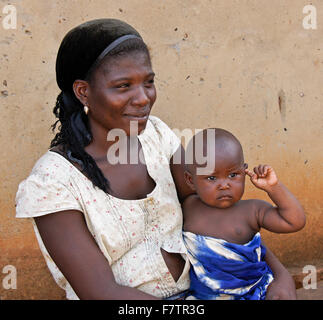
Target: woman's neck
(125, 148)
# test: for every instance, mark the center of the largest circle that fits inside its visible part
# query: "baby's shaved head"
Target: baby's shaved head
(207, 146)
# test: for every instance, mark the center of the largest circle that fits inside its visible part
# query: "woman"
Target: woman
(112, 230)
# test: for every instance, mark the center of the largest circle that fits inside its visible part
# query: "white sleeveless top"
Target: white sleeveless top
(129, 233)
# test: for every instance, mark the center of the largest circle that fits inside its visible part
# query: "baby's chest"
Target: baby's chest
(229, 226)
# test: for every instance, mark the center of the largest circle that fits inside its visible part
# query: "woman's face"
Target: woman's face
(122, 90)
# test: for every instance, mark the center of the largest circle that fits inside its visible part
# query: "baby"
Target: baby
(221, 231)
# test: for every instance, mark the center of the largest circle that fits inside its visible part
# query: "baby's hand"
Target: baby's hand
(263, 177)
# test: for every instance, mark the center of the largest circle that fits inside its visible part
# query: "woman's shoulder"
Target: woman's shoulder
(52, 164)
(50, 187)
(168, 140)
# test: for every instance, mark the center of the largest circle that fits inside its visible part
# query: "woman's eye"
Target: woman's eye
(211, 178)
(123, 85)
(150, 82)
(232, 175)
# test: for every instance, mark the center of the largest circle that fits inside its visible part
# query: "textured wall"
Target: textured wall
(248, 66)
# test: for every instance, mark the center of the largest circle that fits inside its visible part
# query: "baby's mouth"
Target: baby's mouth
(224, 197)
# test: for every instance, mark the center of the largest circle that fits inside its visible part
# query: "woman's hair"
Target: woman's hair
(77, 59)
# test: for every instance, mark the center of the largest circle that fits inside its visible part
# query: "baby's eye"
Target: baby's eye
(211, 178)
(232, 175)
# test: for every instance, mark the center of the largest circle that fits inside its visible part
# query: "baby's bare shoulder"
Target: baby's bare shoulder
(191, 210)
(254, 204)
(251, 209)
(190, 203)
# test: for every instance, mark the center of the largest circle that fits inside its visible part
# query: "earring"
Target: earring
(86, 109)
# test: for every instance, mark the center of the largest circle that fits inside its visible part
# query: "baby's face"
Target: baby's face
(223, 187)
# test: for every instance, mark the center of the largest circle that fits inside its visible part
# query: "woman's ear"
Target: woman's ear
(189, 179)
(81, 90)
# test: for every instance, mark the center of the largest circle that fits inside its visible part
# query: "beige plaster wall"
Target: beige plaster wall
(221, 63)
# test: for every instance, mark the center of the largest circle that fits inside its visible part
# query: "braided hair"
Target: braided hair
(77, 59)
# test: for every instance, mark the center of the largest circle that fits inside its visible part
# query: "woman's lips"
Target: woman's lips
(137, 117)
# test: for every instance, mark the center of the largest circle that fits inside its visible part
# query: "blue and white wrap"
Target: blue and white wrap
(224, 270)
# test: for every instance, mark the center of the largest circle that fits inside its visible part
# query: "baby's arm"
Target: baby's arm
(289, 215)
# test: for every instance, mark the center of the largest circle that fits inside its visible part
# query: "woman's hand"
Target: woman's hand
(283, 285)
(282, 288)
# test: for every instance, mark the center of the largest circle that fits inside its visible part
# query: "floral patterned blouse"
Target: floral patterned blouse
(129, 233)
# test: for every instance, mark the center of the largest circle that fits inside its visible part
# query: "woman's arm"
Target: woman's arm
(177, 169)
(75, 252)
(283, 286)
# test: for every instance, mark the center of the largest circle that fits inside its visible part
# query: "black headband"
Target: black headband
(111, 46)
(85, 46)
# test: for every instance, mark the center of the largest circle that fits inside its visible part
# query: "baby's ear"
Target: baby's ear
(189, 179)
(245, 166)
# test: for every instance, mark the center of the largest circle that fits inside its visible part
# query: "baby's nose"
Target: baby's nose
(223, 184)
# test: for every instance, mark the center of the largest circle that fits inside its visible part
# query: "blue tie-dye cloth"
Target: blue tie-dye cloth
(224, 270)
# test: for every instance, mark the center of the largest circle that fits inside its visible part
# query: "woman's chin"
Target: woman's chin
(136, 125)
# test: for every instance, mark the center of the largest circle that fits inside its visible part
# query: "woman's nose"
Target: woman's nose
(140, 97)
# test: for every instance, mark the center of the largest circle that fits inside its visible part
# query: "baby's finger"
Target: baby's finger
(263, 170)
(267, 169)
(250, 173)
(257, 171)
